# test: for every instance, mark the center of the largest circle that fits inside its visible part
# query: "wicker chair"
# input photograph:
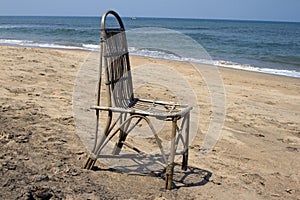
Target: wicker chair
(121, 100)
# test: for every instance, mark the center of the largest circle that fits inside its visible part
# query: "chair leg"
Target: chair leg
(186, 145)
(90, 163)
(125, 129)
(185, 157)
(122, 135)
(170, 167)
(119, 144)
(169, 176)
(92, 159)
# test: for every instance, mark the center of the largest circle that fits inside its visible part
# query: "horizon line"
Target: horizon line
(159, 17)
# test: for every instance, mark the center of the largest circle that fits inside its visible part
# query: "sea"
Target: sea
(261, 46)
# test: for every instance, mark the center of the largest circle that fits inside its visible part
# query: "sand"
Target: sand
(41, 156)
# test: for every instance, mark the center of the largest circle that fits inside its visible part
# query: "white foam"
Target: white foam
(153, 53)
(91, 47)
(15, 42)
(15, 26)
(29, 43)
(227, 64)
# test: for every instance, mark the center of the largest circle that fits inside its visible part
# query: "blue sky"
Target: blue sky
(271, 10)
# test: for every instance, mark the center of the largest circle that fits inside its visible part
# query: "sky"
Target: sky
(266, 10)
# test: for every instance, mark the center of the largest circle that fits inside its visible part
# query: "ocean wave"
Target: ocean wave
(14, 42)
(155, 53)
(227, 64)
(91, 47)
(28, 43)
(8, 26)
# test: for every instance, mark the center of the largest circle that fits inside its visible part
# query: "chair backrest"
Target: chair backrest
(115, 58)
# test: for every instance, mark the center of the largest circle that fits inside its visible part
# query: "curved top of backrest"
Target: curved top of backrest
(111, 12)
(114, 50)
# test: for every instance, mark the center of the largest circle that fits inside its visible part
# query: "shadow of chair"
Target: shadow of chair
(192, 177)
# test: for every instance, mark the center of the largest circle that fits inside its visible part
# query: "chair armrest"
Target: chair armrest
(133, 111)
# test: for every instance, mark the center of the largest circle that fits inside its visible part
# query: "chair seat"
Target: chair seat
(157, 109)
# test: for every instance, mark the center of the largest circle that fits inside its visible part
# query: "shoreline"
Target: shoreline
(256, 157)
(222, 68)
(220, 63)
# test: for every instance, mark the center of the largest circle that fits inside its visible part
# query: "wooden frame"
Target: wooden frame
(120, 99)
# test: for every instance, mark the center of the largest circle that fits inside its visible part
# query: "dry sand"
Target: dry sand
(41, 157)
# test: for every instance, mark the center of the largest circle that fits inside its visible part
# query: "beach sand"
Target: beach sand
(41, 156)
